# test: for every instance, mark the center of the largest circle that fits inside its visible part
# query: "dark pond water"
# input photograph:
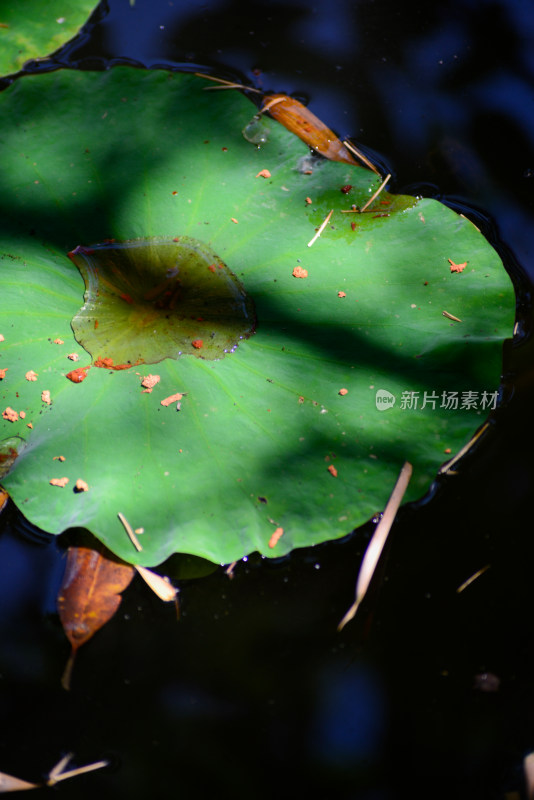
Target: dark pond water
(428, 693)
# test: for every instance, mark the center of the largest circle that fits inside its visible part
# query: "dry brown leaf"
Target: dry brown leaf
(89, 595)
(298, 119)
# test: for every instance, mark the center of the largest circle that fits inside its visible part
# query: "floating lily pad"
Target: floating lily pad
(31, 30)
(351, 369)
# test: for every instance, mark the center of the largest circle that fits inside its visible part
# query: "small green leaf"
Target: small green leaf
(31, 30)
(150, 299)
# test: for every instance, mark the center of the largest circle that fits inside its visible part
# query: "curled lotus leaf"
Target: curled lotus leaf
(151, 299)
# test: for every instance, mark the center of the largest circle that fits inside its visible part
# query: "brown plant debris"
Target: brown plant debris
(173, 398)
(61, 482)
(149, 381)
(160, 584)
(129, 530)
(378, 541)
(276, 536)
(457, 267)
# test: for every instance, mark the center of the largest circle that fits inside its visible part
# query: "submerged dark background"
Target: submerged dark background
(252, 692)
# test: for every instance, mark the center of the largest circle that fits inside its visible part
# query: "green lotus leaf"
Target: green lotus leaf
(176, 232)
(31, 30)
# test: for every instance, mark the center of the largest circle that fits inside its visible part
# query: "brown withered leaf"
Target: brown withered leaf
(89, 595)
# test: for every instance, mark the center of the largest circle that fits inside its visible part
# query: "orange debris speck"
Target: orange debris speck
(59, 341)
(31, 375)
(332, 470)
(301, 399)
(10, 414)
(447, 450)
(149, 381)
(3, 373)
(263, 173)
(300, 272)
(212, 267)
(308, 200)
(81, 486)
(104, 363)
(457, 267)
(2, 338)
(29, 425)
(77, 375)
(343, 392)
(59, 482)
(341, 294)
(73, 356)
(275, 538)
(58, 458)
(45, 397)
(22, 414)
(234, 220)
(197, 343)
(174, 398)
